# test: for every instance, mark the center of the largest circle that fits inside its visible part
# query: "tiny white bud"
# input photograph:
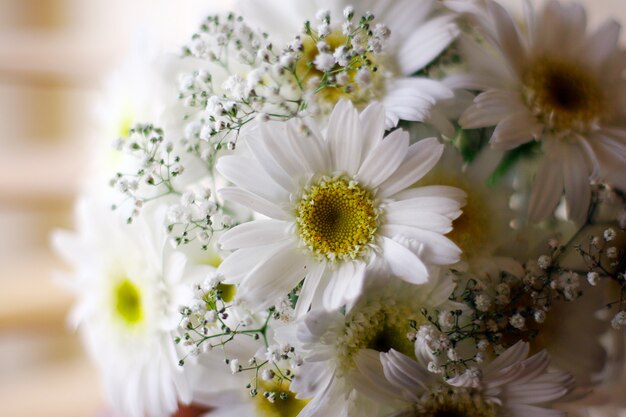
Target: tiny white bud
(234, 366)
(609, 234)
(267, 375)
(518, 321)
(544, 261)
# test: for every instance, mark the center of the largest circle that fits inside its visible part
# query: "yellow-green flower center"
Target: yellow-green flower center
(337, 219)
(306, 71)
(127, 302)
(287, 406)
(563, 94)
(454, 402)
(380, 326)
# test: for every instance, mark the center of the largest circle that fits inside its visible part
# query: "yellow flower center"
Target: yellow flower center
(337, 219)
(287, 406)
(380, 326)
(127, 302)
(563, 94)
(329, 96)
(454, 402)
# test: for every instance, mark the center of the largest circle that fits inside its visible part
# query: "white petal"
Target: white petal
(547, 188)
(602, 43)
(413, 99)
(270, 280)
(426, 43)
(346, 282)
(344, 138)
(254, 233)
(514, 130)
(435, 248)
(508, 38)
(444, 191)
(309, 151)
(523, 410)
(576, 182)
(309, 288)
(402, 15)
(420, 159)
(404, 373)
(264, 151)
(254, 202)
(372, 121)
(515, 354)
(384, 159)
(437, 205)
(370, 379)
(423, 220)
(403, 263)
(238, 264)
(489, 108)
(248, 174)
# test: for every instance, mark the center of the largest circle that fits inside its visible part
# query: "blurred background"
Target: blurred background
(54, 58)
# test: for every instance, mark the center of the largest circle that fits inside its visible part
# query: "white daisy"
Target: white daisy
(513, 385)
(330, 342)
(554, 83)
(335, 203)
(129, 287)
(419, 32)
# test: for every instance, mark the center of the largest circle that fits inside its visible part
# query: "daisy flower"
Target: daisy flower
(513, 385)
(129, 287)
(416, 33)
(557, 84)
(335, 202)
(330, 342)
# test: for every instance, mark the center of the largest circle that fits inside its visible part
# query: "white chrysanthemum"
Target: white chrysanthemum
(554, 83)
(336, 203)
(330, 342)
(513, 385)
(419, 32)
(129, 288)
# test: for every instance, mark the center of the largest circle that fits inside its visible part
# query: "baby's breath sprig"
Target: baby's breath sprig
(497, 313)
(213, 321)
(605, 259)
(156, 164)
(304, 77)
(156, 167)
(196, 217)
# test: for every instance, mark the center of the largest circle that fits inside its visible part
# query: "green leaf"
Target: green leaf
(510, 159)
(471, 142)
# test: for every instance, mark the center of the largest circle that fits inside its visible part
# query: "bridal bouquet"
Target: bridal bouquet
(362, 208)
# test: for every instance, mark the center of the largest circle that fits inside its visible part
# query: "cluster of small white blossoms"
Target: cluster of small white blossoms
(154, 166)
(197, 216)
(495, 313)
(302, 78)
(603, 260)
(212, 321)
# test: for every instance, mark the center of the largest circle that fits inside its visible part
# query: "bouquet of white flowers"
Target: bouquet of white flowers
(367, 208)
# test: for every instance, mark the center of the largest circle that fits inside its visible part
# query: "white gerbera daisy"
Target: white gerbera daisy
(558, 85)
(335, 203)
(129, 287)
(513, 385)
(330, 342)
(419, 32)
